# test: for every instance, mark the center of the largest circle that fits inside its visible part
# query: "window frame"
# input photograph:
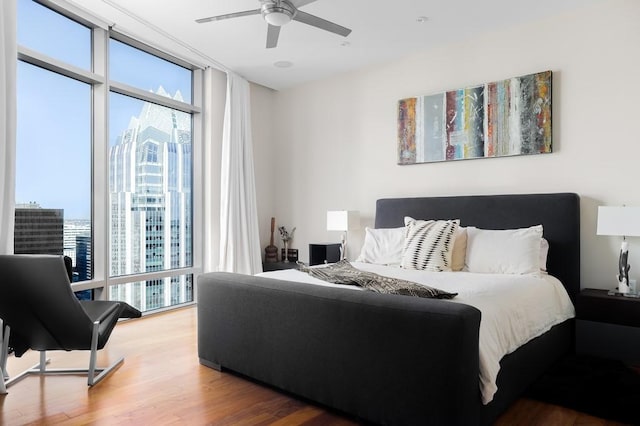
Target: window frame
(101, 86)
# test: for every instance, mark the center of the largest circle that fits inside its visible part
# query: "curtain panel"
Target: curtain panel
(239, 234)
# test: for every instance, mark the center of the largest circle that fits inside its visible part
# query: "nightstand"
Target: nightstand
(608, 326)
(277, 266)
(324, 253)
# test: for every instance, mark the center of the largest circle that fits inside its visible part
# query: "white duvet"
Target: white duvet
(515, 308)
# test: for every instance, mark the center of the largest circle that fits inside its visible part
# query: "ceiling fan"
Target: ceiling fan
(280, 12)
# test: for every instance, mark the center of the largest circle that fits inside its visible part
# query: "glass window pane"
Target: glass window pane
(53, 167)
(155, 294)
(45, 31)
(149, 186)
(148, 72)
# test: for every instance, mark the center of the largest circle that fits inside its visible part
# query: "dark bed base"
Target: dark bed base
(386, 359)
(367, 354)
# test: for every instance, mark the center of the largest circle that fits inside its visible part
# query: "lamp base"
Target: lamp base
(343, 246)
(625, 290)
(623, 287)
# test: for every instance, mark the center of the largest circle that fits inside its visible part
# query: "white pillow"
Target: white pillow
(383, 246)
(429, 244)
(510, 251)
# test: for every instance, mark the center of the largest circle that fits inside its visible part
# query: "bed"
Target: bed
(388, 359)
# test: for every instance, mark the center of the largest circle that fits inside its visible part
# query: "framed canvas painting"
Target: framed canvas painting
(503, 118)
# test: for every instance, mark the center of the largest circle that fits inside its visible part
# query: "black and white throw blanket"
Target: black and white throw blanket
(343, 272)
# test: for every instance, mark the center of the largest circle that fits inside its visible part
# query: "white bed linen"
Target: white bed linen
(515, 308)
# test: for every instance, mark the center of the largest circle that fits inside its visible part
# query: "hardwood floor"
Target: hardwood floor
(162, 383)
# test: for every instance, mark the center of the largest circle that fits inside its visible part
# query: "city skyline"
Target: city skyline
(54, 157)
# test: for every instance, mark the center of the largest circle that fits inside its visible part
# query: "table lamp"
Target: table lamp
(620, 221)
(343, 220)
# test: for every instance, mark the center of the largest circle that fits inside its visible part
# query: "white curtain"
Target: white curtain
(239, 235)
(8, 65)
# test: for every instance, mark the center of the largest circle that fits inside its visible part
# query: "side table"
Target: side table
(608, 326)
(320, 253)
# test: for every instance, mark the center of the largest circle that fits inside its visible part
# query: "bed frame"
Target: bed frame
(382, 358)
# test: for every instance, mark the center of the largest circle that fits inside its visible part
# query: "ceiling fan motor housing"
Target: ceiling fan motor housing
(277, 12)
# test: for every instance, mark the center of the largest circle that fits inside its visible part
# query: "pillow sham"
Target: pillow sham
(509, 251)
(382, 246)
(429, 244)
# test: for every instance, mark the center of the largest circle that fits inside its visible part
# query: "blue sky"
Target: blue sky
(54, 112)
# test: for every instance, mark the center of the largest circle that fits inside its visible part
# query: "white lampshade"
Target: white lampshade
(619, 220)
(343, 220)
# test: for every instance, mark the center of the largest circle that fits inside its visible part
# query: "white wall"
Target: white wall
(333, 144)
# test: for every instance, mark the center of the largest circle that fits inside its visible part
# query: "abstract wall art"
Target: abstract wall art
(503, 118)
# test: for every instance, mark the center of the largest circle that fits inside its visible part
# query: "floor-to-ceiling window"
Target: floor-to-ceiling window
(150, 177)
(105, 163)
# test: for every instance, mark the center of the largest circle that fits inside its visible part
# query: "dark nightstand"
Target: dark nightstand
(277, 266)
(324, 253)
(608, 326)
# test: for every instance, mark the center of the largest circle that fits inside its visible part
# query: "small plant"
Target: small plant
(285, 235)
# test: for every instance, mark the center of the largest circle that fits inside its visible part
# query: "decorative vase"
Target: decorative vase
(286, 256)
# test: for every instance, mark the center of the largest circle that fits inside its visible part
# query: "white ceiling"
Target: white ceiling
(382, 31)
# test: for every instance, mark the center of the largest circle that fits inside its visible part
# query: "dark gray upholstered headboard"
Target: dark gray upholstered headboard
(559, 214)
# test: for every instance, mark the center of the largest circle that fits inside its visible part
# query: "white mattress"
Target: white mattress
(515, 308)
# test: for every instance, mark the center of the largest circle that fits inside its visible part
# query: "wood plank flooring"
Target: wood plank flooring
(162, 383)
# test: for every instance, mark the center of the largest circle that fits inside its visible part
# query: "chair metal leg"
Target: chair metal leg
(34, 369)
(43, 361)
(92, 379)
(4, 348)
(4, 354)
(41, 367)
(94, 353)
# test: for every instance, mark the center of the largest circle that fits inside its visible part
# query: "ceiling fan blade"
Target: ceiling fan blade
(228, 16)
(273, 32)
(300, 3)
(323, 24)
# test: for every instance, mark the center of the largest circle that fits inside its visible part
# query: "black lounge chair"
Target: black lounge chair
(39, 311)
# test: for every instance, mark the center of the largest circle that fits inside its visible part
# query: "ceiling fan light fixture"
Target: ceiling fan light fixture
(277, 18)
(278, 13)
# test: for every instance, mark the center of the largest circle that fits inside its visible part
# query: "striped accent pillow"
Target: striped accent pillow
(429, 244)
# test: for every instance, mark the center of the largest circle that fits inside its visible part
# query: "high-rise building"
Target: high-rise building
(83, 257)
(38, 230)
(72, 229)
(151, 214)
(82, 270)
